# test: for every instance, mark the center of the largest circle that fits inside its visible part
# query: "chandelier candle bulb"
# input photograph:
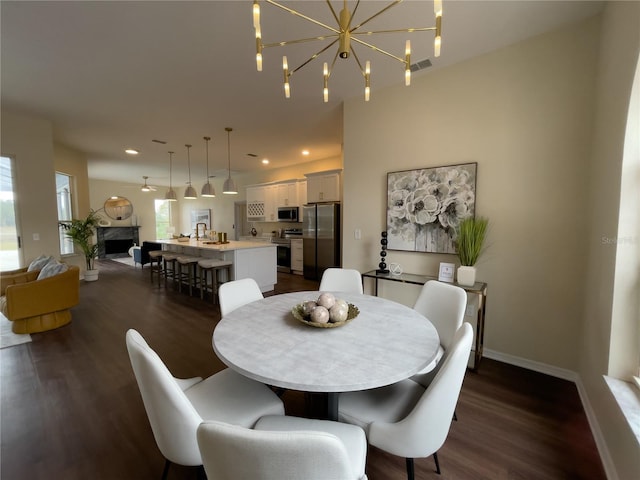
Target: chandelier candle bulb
(258, 52)
(438, 40)
(367, 84)
(407, 61)
(285, 71)
(256, 15)
(325, 90)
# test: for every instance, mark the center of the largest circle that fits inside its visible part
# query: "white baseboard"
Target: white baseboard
(571, 376)
(531, 365)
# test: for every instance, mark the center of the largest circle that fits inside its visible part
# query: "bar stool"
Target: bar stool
(155, 264)
(189, 277)
(214, 266)
(169, 260)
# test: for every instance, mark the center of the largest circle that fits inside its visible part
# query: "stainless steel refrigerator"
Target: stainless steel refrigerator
(320, 238)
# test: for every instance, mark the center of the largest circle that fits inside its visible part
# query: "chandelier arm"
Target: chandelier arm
(355, 55)
(335, 15)
(313, 57)
(392, 4)
(399, 30)
(300, 40)
(301, 15)
(335, 57)
(379, 50)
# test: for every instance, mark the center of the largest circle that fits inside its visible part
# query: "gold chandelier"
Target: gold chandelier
(344, 35)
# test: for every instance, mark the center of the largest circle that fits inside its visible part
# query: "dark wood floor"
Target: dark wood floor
(70, 407)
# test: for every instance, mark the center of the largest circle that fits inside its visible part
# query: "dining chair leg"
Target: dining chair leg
(202, 475)
(410, 469)
(166, 469)
(435, 458)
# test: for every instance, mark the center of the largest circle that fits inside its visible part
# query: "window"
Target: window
(9, 235)
(163, 219)
(65, 210)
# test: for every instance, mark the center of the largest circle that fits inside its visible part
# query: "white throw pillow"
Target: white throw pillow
(51, 269)
(39, 262)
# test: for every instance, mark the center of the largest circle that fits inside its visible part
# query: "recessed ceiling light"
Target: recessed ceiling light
(265, 161)
(132, 151)
(305, 152)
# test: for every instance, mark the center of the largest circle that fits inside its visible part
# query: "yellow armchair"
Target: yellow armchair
(16, 277)
(38, 305)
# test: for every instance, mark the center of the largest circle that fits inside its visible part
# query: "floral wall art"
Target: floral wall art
(425, 206)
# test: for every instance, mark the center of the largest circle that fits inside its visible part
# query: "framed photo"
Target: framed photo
(202, 215)
(425, 206)
(446, 272)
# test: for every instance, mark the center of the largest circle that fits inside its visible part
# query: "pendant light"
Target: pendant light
(229, 185)
(207, 188)
(190, 192)
(171, 194)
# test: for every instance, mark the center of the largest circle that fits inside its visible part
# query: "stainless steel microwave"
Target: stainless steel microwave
(288, 214)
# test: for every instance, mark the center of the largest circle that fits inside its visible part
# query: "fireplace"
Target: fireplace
(114, 242)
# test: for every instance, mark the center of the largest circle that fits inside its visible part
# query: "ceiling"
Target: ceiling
(112, 75)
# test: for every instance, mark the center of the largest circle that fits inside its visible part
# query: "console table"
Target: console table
(479, 289)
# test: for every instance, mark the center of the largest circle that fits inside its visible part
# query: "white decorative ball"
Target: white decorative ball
(320, 314)
(327, 300)
(338, 313)
(308, 306)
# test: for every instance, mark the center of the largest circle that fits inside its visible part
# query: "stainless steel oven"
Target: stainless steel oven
(284, 254)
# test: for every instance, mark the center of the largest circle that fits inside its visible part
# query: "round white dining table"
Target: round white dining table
(387, 342)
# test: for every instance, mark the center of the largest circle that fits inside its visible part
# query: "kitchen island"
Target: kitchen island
(255, 260)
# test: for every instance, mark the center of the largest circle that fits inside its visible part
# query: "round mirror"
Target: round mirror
(118, 208)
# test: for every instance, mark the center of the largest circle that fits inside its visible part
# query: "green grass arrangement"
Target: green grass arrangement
(471, 235)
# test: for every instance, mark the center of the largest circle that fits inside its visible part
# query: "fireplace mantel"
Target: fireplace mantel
(114, 242)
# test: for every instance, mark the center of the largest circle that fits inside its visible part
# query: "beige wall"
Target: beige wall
(29, 141)
(528, 114)
(524, 114)
(619, 47)
(74, 163)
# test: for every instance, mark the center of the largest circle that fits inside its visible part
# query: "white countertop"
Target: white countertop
(209, 245)
(387, 342)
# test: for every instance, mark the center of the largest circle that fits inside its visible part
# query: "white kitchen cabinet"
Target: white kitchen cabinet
(257, 263)
(323, 186)
(296, 256)
(255, 203)
(270, 203)
(288, 194)
(302, 194)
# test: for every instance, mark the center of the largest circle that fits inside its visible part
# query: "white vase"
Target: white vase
(466, 276)
(91, 275)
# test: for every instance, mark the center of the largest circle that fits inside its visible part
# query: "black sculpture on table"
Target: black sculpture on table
(382, 266)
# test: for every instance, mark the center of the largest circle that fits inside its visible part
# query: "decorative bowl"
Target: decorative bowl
(298, 314)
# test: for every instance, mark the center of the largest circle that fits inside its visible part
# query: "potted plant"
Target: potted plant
(81, 232)
(471, 233)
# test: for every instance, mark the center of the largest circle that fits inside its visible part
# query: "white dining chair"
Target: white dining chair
(444, 305)
(175, 407)
(283, 448)
(405, 419)
(237, 293)
(341, 280)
